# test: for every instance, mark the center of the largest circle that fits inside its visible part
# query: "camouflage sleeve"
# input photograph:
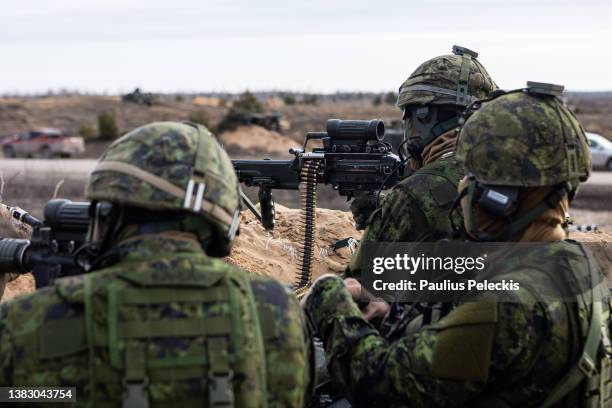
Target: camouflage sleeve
(6, 349)
(447, 364)
(395, 220)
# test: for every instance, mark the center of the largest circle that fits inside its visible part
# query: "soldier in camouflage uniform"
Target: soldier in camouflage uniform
(432, 98)
(159, 320)
(527, 150)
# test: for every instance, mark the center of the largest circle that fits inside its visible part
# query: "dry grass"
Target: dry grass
(70, 112)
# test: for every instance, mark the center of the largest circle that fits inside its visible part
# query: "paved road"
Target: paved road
(74, 168)
(601, 178)
(80, 168)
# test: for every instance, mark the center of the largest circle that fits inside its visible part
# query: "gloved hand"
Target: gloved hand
(362, 208)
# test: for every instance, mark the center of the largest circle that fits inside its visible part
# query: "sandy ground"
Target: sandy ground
(255, 141)
(273, 253)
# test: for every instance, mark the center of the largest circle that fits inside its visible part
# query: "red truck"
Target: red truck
(43, 142)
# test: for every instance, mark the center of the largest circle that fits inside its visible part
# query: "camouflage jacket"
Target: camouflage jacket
(484, 353)
(155, 312)
(416, 210)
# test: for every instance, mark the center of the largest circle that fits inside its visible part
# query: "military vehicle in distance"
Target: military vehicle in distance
(139, 97)
(238, 117)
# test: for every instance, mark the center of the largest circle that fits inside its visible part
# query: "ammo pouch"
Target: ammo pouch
(174, 333)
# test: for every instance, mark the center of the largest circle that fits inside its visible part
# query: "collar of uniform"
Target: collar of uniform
(149, 245)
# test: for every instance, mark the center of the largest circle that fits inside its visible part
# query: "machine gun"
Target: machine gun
(51, 251)
(354, 160)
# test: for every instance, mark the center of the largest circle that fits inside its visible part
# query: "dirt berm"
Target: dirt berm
(256, 142)
(273, 253)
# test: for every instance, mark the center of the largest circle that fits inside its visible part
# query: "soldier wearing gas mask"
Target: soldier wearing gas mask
(432, 99)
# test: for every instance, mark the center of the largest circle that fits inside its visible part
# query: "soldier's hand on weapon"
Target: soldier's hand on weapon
(362, 209)
(374, 310)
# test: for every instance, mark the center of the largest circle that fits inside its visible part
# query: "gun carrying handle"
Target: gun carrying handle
(313, 135)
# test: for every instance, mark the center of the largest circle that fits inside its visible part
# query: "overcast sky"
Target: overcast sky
(316, 45)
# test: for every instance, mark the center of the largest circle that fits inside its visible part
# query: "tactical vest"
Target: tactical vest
(180, 331)
(588, 383)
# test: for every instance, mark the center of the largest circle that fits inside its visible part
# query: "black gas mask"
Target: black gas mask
(424, 123)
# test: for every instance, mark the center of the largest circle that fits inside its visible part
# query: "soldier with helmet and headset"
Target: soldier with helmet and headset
(432, 98)
(159, 319)
(525, 154)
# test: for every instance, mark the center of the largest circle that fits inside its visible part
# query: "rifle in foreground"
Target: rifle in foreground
(353, 159)
(52, 250)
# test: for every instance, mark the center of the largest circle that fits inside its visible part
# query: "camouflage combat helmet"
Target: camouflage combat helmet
(169, 166)
(435, 94)
(456, 79)
(515, 140)
(525, 138)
